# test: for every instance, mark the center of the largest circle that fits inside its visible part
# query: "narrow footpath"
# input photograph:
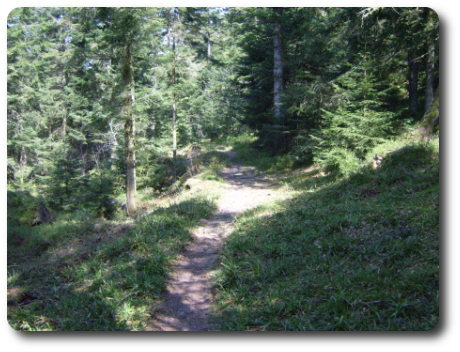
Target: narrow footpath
(187, 304)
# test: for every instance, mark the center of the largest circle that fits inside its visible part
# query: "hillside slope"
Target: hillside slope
(355, 253)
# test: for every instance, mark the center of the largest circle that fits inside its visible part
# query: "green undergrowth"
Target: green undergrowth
(247, 154)
(77, 275)
(348, 253)
(210, 164)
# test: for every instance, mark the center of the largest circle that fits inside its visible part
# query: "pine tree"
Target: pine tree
(203, 72)
(359, 123)
(129, 37)
(38, 54)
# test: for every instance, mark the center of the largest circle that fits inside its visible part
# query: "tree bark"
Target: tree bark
(208, 34)
(429, 94)
(174, 116)
(128, 99)
(413, 84)
(278, 66)
(112, 143)
(174, 138)
(209, 46)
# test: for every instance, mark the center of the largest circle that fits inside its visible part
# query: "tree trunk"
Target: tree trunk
(429, 95)
(112, 144)
(128, 99)
(413, 83)
(174, 116)
(174, 138)
(64, 126)
(208, 34)
(22, 163)
(209, 46)
(278, 66)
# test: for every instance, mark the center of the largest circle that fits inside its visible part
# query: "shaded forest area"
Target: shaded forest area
(111, 110)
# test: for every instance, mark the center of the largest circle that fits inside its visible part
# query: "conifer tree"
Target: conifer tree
(359, 123)
(129, 35)
(38, 55)
(346, 74)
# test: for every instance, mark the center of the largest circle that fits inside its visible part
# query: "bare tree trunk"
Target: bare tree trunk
(112, 143)
(208, 34)
(174, 138)
(429, 95)
(22, 163)
(278, 66)
(128, 99)
(64, 126)
(278, 110)
(174, 116)
(413, 84)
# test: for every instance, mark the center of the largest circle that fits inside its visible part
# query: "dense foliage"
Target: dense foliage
(349, 77)
(69, 80)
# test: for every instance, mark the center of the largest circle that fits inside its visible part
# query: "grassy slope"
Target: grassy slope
(357, 253)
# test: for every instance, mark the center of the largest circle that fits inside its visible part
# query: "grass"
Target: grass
(354, 253)
(248, 155)
(211, 163)
(351, 253)
(74, 275)
(84, 274)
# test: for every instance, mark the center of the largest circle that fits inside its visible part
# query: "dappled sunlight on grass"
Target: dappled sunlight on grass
(309, 250)
(104, 277)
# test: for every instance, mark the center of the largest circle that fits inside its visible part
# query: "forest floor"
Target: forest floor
(234, 248)
(187, 304)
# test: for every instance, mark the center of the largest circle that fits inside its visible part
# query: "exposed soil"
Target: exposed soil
(188, 300)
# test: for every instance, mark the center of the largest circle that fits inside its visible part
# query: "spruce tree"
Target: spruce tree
(129, 37)
(359, 123)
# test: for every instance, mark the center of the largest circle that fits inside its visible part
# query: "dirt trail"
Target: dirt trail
(187, 303)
